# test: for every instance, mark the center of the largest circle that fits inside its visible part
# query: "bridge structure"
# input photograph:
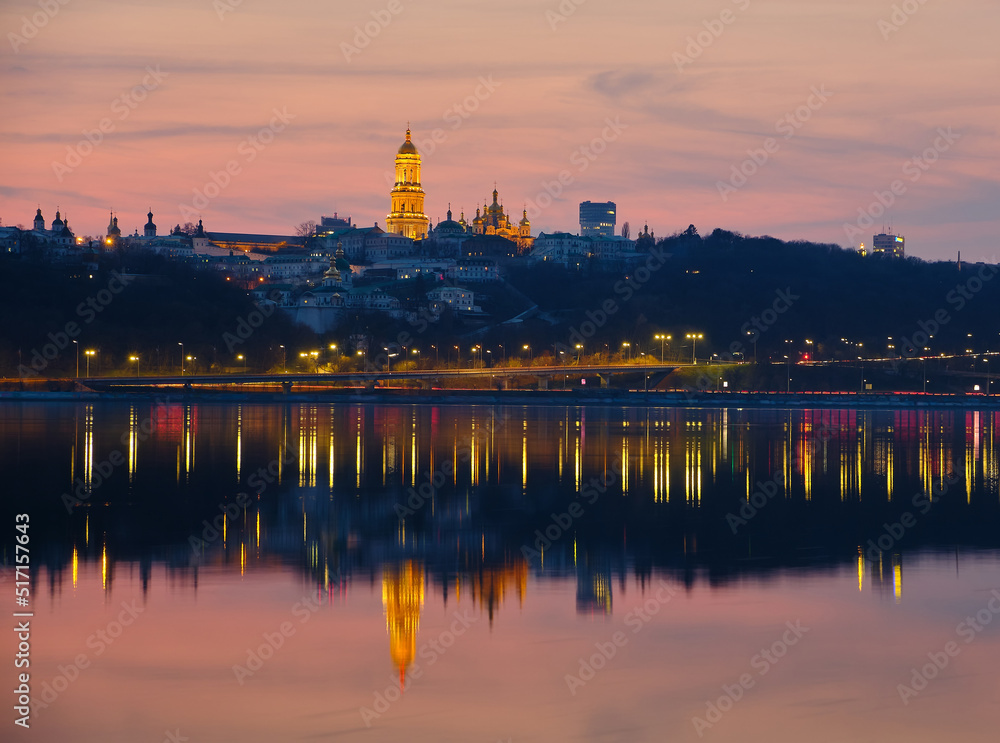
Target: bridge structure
(426, 378)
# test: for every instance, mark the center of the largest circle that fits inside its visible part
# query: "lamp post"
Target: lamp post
(136, 360)
(437, 355)
(694, 338)
(788, 375)
(243, 358)
(528, 349)
(77, 343)
(987, 360)
(661, 337)
(628, 350)
(88, 353)
(284, 368)
(182, 357)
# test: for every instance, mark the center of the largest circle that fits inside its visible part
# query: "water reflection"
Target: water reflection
(481, 496)
(511, 511)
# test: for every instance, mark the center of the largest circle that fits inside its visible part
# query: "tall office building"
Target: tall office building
(894, 245)
(598, 219)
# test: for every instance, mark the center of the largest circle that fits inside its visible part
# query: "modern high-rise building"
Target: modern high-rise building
(407, 217)
(598, 219)
(889, 244)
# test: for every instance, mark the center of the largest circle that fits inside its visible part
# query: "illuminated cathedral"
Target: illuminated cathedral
(407, 217)
(494, 221)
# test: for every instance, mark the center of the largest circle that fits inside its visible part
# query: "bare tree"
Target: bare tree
(306, 229)
(626, 230)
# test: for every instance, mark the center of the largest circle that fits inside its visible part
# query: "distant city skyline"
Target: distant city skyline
(797, 120)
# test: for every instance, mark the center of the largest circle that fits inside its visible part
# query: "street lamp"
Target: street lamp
(987, 376)
(243, 358)
(284, 368)
(754, 334)
(628, 350)
(528, 349)
(182, 358)
(661, 337)
(579, 351)
(694, 338)
(136, 360)
(88, 353)
(77, 343)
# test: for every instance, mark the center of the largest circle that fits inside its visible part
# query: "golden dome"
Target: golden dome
(407, 148)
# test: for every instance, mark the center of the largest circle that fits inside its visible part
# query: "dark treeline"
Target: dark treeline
(729, 289)
(732, 288)
(155, 306)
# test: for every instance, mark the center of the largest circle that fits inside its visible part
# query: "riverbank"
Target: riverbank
(408, 396)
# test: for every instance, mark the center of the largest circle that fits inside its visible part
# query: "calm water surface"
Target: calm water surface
(443, 573)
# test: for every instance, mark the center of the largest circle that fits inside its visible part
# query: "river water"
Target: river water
(223, 572)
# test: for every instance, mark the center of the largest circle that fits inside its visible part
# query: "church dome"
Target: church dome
(449, 225)
(408, 148)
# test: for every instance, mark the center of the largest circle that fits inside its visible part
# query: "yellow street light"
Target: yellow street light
(694, 338)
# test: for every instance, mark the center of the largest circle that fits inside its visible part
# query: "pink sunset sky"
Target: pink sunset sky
(557, 73)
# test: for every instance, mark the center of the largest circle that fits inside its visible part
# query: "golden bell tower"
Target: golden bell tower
(407, 217)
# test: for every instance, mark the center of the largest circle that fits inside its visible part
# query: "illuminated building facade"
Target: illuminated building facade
(407, 217)
(494, 221)
(889, 244)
